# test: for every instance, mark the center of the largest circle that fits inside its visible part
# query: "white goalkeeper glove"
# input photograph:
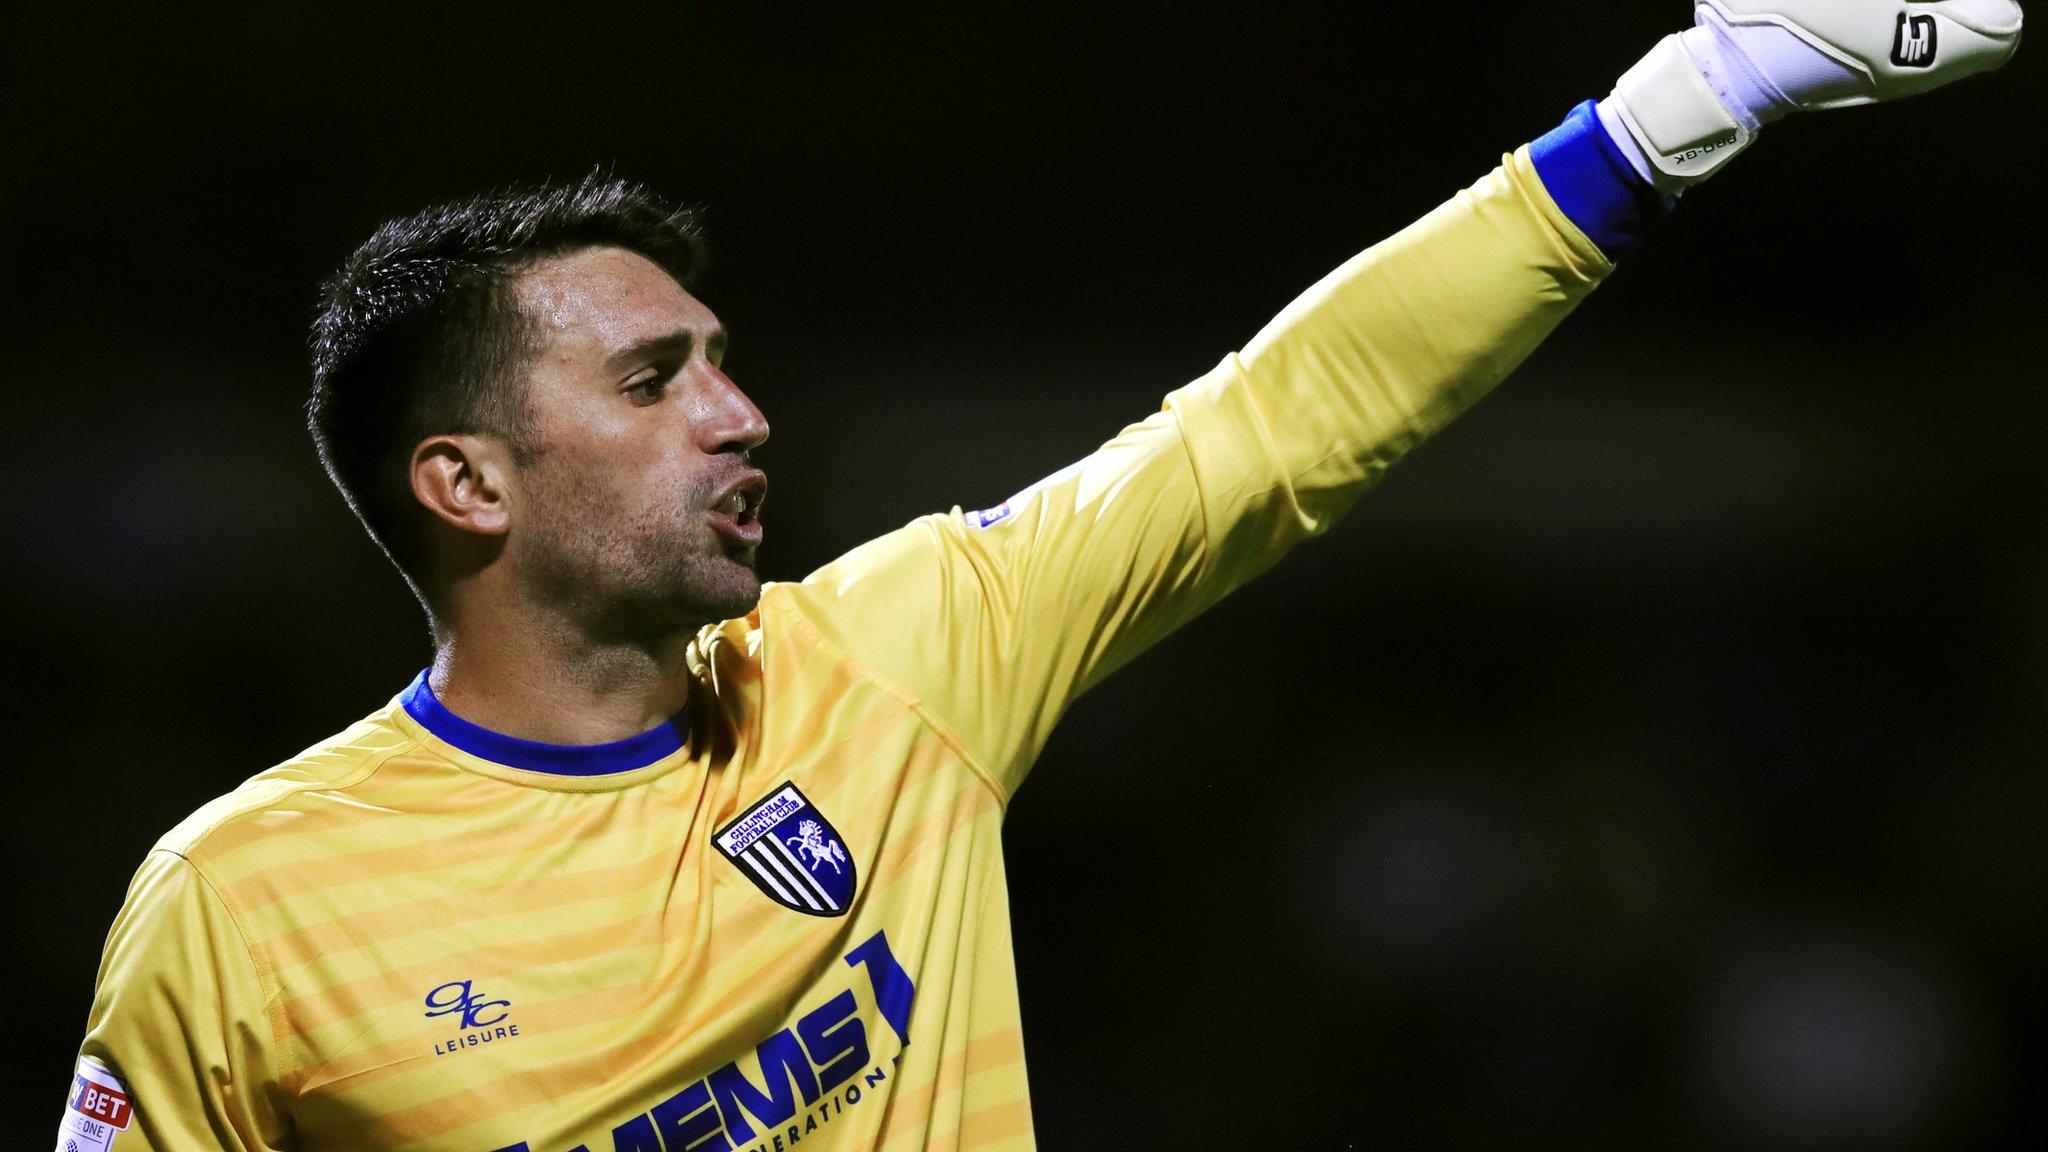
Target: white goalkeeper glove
(1700, 96)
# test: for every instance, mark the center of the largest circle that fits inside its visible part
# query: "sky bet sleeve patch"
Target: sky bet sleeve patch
(98, 1108)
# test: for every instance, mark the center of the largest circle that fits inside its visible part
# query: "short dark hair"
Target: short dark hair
(419, 333)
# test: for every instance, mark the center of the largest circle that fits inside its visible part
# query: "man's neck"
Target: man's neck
(545, 680)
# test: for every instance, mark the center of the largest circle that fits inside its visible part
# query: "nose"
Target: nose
(730, 421)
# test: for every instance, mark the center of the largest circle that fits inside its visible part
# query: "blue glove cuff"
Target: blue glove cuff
(1594, 183)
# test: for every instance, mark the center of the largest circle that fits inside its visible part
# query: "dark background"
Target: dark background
(1653, 762)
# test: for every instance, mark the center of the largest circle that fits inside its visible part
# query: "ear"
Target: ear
(465, 481)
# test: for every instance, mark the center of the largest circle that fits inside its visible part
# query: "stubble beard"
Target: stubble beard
(641, 577)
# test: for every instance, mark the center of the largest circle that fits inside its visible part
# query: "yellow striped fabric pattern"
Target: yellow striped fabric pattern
(450, 953)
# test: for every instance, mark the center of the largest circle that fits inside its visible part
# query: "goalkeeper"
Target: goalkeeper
(654, 858)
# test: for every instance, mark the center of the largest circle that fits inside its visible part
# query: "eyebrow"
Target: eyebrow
(674, 342)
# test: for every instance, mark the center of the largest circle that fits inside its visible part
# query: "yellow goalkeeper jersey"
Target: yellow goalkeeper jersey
(780, 919)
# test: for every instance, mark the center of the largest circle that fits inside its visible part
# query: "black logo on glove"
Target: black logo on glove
(1913, 43)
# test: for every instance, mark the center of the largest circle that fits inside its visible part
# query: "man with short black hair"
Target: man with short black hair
(429, 330)
(653, 858)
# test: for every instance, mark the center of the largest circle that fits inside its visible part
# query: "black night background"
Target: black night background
(1655, 760)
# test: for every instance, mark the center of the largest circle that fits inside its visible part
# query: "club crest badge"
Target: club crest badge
(791, 853)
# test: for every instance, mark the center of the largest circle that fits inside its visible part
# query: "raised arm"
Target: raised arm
(997, 619)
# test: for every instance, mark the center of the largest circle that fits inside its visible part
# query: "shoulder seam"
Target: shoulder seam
(265, 964)
(266, 973)
(909, 699)
(362, 772)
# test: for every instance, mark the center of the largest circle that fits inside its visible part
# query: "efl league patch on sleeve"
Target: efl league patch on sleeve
(98, 1109)
(988, 516)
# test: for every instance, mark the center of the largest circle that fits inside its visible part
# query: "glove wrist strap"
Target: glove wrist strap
(1675, 117)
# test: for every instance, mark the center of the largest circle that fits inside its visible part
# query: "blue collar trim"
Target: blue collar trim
(664, 739)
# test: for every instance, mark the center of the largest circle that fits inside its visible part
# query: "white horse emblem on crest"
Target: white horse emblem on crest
(792, 853)
(810, 842)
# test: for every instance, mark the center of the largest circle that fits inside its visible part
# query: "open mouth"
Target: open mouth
(740, 506)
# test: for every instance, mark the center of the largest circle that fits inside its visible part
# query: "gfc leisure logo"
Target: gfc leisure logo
(792, 854)
(480, 1019)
